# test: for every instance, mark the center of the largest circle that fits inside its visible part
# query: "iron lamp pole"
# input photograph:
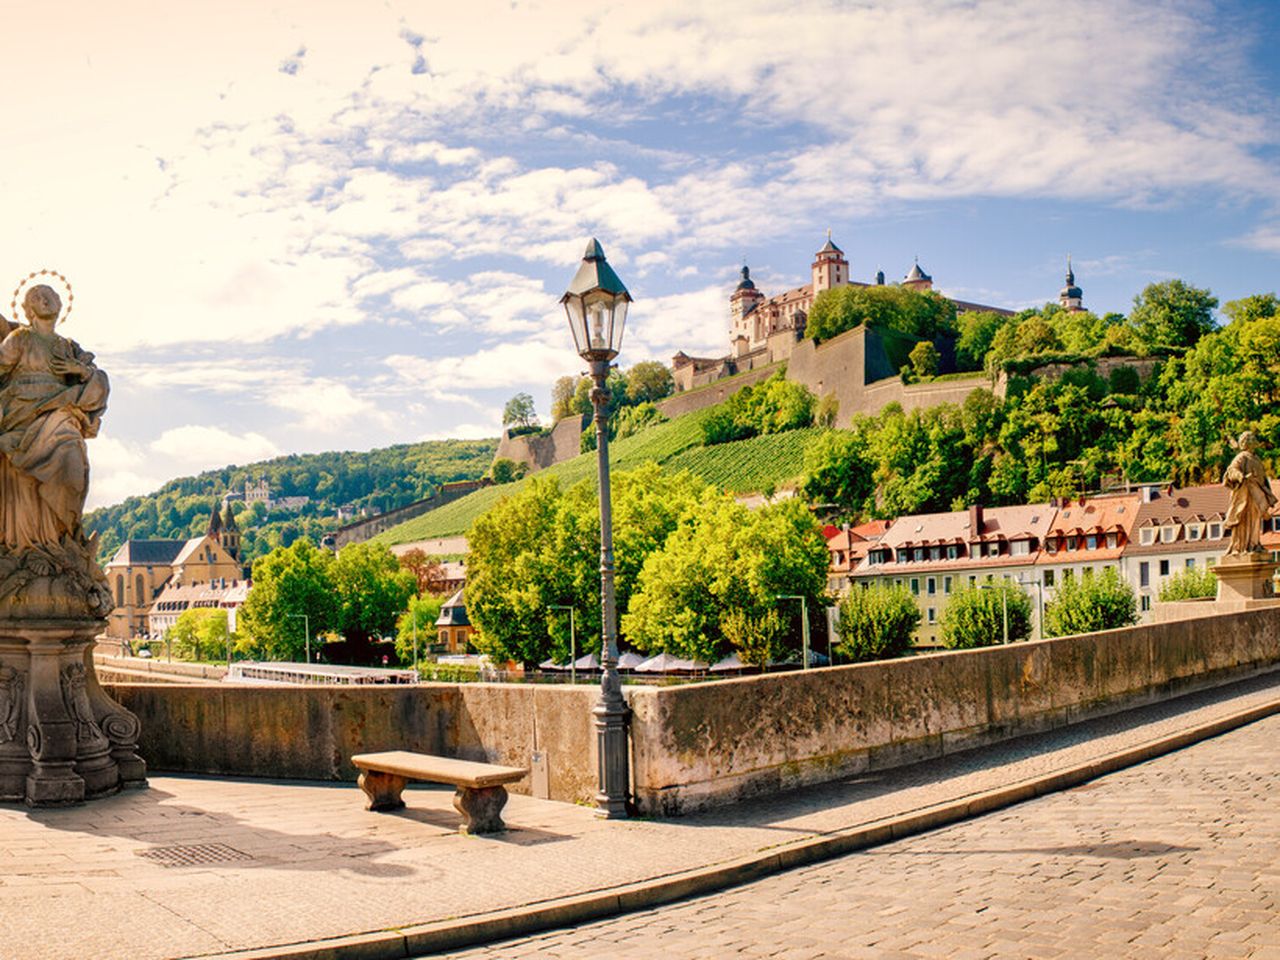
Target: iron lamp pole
(596, 305)
(306, 627)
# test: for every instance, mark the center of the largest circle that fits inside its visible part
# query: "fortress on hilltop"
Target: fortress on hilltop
(765, 330)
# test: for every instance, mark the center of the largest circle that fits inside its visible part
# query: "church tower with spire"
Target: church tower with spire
(1071, 297)
(230, 533)
(744, 299)
(830, 268)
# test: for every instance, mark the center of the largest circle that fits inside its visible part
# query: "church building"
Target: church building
(141, 569)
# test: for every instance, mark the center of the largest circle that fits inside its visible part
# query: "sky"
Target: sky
(310, 225)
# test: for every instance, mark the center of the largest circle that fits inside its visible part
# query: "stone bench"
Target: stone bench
(480, 796)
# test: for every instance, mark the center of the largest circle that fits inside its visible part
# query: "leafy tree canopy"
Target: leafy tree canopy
(289, 583)
(519, 412)
(876, 622)
(921, 314)
(976, 616)
(1101, 601)
(1172, 313)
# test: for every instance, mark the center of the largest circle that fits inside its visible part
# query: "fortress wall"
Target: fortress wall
(362, 530)
(836, 366)
(679, 404)
(701, 745)
(541, 451)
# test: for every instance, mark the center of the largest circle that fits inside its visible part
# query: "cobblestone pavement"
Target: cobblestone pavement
(262, 863)
(1176, 858)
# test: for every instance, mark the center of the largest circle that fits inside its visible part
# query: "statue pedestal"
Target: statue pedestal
(1246, 577)
(62, 739)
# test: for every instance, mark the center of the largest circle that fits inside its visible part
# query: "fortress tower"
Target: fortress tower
(830, 268)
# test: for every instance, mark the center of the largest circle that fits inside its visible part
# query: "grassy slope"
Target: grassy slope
(746, 466)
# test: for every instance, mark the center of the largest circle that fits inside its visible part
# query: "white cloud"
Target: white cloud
(212, 446)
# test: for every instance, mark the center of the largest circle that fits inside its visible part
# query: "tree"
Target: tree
(920, 314)
(288, 584)
(1172, 313)
(562, 393)
(1258, 306)
(200, 633)
(539, 549)
(977, 329)
(876, 622)
(519, 412)
(631, 420)
(758, 640)
(975, 616)
(1194, 583)
(427, 571)
(417, 625)
(1086, 604)
(724, 558)
(837, 470)
(506, 470)
(924, 359)
(649, 381)
(371, 590)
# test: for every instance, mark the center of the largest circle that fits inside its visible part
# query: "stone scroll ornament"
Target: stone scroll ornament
(54, 598)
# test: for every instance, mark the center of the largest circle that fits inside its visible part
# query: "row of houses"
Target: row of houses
(1146, 534)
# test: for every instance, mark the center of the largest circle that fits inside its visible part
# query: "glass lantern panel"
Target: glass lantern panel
(619, 321)
(573, 307)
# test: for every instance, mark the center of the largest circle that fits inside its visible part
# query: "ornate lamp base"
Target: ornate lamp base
(62, 739)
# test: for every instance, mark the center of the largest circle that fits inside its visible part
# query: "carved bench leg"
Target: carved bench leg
(481, 809)
(382, 789)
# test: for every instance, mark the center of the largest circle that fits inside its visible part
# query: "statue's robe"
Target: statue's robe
(1251, 500)
(44, 419)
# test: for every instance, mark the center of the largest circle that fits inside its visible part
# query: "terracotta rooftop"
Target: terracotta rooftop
(1096, 516)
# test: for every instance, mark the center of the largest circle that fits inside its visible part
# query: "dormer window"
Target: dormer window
(952, 551)
(1091, 542)
(935, 553)
(1112, 539)
(1215, 531)
(1072, 541)
(1169, 533)
(918, 554)
(1020, 548)
(1147, 536)
(1193, 531)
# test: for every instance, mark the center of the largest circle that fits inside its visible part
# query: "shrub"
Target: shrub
(1191, 584)
(877, 622)
(1085, 604)
(774, 406)
(925, 359)
(974, 617)
(757, 640)
(505, 470)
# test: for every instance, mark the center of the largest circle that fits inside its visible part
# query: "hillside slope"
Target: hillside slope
(745, 466)
(379, 480)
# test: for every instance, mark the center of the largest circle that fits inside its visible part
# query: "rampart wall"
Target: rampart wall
(701, 745)
(362, 530)
(539, 451)
(677, 405)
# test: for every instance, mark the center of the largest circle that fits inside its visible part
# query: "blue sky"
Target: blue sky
(303, 226)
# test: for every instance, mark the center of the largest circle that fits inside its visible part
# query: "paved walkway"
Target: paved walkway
(1175, 859)
(198, 866)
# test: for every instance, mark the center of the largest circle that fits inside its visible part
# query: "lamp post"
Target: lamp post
(596, 305)
(804, 630)
(306, 626)
(573, 641)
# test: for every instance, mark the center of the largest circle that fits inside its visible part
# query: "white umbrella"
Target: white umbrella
(729, 663)
(551, 665)
(630, 660)
(589, 662)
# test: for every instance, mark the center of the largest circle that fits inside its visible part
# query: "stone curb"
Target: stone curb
(456, 933)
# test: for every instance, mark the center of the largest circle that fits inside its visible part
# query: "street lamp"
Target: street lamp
(306, 626)
(804, 630)
(596, 305)
(573, 641)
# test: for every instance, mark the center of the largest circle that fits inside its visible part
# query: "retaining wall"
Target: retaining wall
(312, 732)
(539, 451)
(700, 745)
(362, 530)
(706, 744)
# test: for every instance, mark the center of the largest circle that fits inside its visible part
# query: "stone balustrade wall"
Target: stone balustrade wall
(699, 745)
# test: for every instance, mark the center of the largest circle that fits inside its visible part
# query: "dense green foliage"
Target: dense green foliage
(199, 633)
(975, 616)
(774, 406)
(876, 622)
(725, 558)
(376, 479)
(519, 414)
(359, 594)
(416, 627)
(539, 549)
(1194, 583)
(684, 556)
(758, 639)
(1100, 601)
(645, 382)
(919, 314)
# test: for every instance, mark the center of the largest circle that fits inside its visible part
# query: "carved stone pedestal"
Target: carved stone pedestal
(1245, 579)
(62, 739)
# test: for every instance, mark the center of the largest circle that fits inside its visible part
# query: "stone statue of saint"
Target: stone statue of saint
(1251, 498)
(51, 398)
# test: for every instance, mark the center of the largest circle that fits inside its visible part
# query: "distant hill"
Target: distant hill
(376, 479)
